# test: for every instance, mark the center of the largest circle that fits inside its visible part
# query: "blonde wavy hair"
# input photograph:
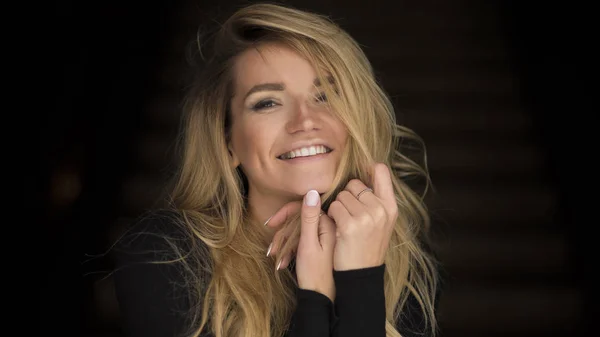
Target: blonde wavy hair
(233, 284)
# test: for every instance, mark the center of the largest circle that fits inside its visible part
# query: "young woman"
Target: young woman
(289, 214)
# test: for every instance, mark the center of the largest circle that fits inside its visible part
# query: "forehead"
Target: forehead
(272, 63)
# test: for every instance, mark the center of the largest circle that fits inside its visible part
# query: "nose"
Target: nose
(303, 117)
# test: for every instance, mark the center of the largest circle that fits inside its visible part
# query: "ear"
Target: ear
(233, 158)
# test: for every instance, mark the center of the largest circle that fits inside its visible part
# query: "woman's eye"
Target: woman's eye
(265, 104)
(322, 97)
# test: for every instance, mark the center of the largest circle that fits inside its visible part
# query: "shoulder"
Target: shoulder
(156, 236)
(153, 258)
(162, 223)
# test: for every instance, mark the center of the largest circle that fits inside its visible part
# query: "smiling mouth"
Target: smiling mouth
(307, 151)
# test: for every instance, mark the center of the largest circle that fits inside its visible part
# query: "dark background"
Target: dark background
(500, 91)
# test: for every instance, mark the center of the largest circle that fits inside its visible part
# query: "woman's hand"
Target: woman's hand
(364, 222)
(283, 230)
(314, 258)
(314, 254)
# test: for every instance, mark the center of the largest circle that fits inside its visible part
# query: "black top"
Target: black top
(153, 300)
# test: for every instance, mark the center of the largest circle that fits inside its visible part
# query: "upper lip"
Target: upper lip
(305, 143)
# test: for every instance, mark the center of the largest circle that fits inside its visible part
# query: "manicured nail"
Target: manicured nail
(269, 250)
(266, 222)
(312, 198)
(279, 264)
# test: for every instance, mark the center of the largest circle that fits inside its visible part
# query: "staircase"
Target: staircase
(446, 66)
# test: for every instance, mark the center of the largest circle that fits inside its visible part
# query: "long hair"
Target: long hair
(234, 285)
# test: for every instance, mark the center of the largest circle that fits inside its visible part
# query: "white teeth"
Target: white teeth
(305, 152)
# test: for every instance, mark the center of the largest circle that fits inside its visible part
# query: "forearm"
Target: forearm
(360, 302)
(313, 314)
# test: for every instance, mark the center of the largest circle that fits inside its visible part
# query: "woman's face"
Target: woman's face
(283, 135)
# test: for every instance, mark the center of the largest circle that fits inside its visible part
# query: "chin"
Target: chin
(299, 189)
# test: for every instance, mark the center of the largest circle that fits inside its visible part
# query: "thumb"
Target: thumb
(311, 209)
(327, 236)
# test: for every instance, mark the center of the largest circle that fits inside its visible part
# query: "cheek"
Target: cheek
(341, 134)
(251, 142)
(241, 142)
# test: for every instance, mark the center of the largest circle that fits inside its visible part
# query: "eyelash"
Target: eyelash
(322, 97)
(264, 104)
(269, 103)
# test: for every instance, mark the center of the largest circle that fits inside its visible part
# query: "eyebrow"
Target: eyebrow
(280, 86)
(265, 87)
(317, 82)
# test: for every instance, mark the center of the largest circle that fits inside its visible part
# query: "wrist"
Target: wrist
(327, 289)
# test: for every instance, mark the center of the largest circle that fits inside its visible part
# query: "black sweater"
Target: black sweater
(153, 300)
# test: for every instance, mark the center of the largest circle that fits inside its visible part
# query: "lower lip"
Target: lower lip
(299, 160)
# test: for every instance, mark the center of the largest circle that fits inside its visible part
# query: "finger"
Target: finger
(327, 233)
(285, 232)
(283, 214)
(338, 212)
(353, 205)
(277, 242)
(368, 198)
(382, 185)
(311, 209)
(282, 263)
(285, 260)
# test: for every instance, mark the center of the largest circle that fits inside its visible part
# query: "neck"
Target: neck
(263, 205)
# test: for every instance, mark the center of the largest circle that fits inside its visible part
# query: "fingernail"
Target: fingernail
(279, 264)
(266, 222)
(312, 198)
(269, 250)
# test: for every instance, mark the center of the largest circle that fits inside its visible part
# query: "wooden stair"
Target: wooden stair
(445, 65)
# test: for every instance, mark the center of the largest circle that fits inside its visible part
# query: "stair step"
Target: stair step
(405, 52)
(463, 65)
(517, 252)
(468, 310)
(487, 178)
(457, 101)
(429, 41)
(450, 83)
(479, 154)
(458, 120)
(493, 206)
